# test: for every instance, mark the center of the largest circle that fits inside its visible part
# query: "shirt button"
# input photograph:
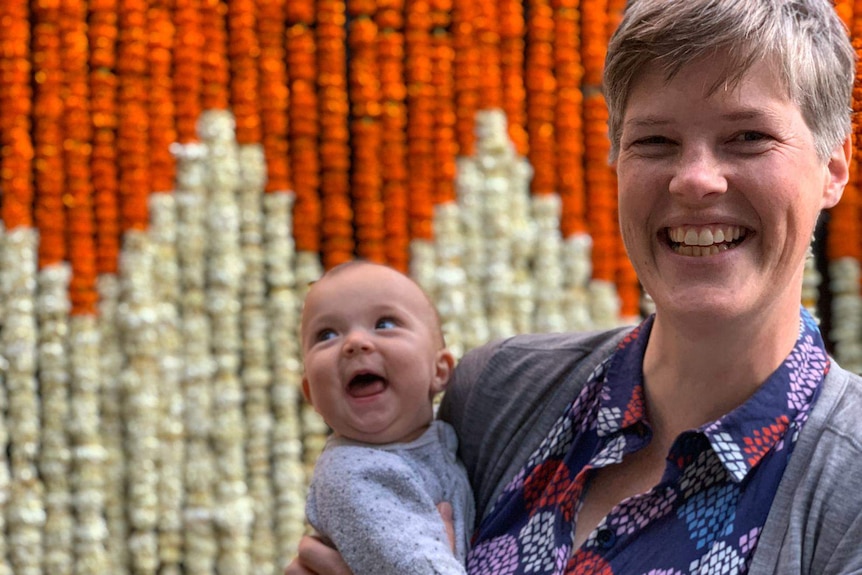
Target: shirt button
(605, 538)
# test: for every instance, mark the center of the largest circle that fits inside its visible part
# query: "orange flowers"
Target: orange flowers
(274, 93)
(16, 146)
(541, 96)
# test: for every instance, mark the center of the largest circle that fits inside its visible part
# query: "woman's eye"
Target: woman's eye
(385, 323)
(751, 136)
(325, 334)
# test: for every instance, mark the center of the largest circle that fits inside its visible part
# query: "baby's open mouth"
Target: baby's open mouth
(701, 241)
(366, 385)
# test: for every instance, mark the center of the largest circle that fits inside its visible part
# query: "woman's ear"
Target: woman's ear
(839, 173)
(443, 366)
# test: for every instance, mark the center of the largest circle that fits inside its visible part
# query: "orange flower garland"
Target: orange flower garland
(445, 148)
(364, 88)
(467, 70)
(337, 224)
(103, 105)
(393, 122)
(512, 26)
(215, 71)
(243, 50)
(303, 124)
(541, 96)
(274, 95)
(16, 146)
(133, 127)
(488, 38)
(843, 240)
(568, 118)
(48, 134)
(77, 152)
(420, 120)
(161, 102)
(188, 59)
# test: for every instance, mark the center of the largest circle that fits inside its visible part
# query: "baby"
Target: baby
(374, 358)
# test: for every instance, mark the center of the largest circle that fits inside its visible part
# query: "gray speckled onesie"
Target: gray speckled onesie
(378, 504)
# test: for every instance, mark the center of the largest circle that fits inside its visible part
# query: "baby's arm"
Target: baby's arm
(381, 520)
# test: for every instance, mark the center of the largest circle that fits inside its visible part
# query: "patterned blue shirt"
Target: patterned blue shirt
(709, 508)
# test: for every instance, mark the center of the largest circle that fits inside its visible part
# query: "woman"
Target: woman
(717, 436)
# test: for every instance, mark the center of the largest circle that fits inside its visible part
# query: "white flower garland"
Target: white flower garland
(25, 511)
(225, 269)
(52, 311)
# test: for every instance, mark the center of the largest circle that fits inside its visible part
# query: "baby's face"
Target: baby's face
(372, 353)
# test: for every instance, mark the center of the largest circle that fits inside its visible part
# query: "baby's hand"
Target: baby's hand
(317, 558)
(445, 510)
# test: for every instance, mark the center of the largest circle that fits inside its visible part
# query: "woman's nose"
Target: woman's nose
(698, 174)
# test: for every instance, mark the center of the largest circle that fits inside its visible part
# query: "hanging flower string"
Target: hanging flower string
(49, 212)
(16, 145)
(77, 152)
(393, 121)
(420, 120)
(488, 38)
(215, 70)
(442, 58)
(243, 49)
(364, 91)
(541, 96)
(337, 223)
(133, 113)
(512, 45)
(568, 118)
(304, 127)
(163, 133)
(102, 29)
(467, 70)
(188, 58)
(274, 94)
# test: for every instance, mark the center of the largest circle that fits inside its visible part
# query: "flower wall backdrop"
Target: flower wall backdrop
(175, 172)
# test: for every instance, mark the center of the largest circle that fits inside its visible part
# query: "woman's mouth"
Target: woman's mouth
(699, 241)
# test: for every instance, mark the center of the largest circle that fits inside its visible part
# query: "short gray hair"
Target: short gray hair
(805, 40)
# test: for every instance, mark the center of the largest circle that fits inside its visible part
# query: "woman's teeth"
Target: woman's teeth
(704, 240)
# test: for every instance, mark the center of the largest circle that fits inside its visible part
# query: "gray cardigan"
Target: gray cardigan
(506, 395)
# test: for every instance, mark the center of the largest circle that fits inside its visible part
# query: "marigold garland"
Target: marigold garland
(393, 122)
(364, 93)
(133, 114)
(568, 118)
(215, 69)
(420, 119)
(243, 51)
(541, 96)
(16, 145)
(467, 69)
(77, 150)
(48, 174)
(103, 33)
(274, 93)
(188, 56)
(488, 38)
(337, 222)
(304, 128)
(445, 148)
(162, 129)
(514, 95)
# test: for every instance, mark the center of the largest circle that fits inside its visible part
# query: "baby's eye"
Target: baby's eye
(385, 323)
(325, 334)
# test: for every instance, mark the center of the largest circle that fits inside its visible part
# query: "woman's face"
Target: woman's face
(719, 192)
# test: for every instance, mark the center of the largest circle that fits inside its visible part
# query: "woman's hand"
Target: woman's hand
(317, 558)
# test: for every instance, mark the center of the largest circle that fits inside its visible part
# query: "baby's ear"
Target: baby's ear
(306, 390)
(443, 366)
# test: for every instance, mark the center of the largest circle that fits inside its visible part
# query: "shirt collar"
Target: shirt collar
(742, 437)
